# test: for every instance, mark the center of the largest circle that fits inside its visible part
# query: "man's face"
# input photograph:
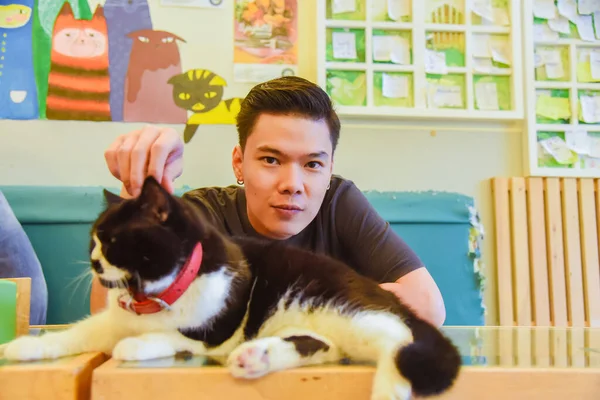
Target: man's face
(286, 168)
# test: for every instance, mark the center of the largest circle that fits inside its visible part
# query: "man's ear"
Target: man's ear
(237, 160)
(155, 199)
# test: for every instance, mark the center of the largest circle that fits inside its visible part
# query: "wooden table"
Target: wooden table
(500, 363)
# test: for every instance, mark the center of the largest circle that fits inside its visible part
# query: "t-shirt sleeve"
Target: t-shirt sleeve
(200, 199)
(368, 241)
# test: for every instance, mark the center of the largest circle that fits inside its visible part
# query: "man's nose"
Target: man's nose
(291, 180)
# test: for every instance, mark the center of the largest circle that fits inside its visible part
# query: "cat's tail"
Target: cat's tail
(431, 362)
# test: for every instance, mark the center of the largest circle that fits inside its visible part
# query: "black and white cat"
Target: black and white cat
(179, 285)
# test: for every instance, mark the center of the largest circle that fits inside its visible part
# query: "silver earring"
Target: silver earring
(240, 182)
(328, 186)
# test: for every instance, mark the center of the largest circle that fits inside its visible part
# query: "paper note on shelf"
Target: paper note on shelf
(585, 27)
(400, 50)
(398, 9)
(577, 139)
(482, 64)
(553, 107)
(597, 24)
(435, 62)
(590, 108)
(382, 48)
(545, 9)
(590, 162)
(343, 6)
(559, 24)
(554, 70)
(594, 146)
(484, 9)
(558, 149)
(595, 64)
(501, 51)
(481, 46)
(543, 33)
(440, 96)
(568, 9)
(588, 6)
(486, 96)
(344, 45)
(394, 86)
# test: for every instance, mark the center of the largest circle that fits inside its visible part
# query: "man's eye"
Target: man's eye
(314, 164)
(270, 160)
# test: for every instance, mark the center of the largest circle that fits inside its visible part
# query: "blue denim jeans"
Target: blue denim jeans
(18, 260)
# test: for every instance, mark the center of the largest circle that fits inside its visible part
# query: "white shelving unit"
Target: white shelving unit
(561, 140)
(354, 75)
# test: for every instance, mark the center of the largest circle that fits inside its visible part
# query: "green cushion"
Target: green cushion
(8, 310)
(436, 225)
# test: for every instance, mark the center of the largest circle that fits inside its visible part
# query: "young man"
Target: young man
(288, 133)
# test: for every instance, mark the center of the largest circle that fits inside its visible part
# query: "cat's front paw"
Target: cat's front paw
(29, 348)
(252, 359)
(140, 348)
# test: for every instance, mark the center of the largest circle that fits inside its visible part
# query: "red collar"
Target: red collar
(140, 304)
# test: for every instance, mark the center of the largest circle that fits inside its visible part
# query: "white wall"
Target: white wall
(379, 155)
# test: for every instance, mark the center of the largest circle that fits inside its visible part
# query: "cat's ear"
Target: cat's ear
(111, 198)
(66, 9)
(155, 199)
(175, 79)
(177, 37)
(99, 13)
(218, 80)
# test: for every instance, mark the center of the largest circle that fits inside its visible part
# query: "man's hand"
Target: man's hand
(151, 151)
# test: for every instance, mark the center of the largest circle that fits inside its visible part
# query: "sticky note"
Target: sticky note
(398, 9)
(482, 64)
(568, 9)
(590, 108)
(343, 6)
(400, 50)
(559, 24)
(588, 6)
(484, 9)
(435, 62)
(344, 45)
(8, 310)
(481, 46)
(585, 27)
(594, 146)
(545, 9)
(553, 107)
(486, 96)
(543, 33)
(578, 140)
(382, 48)
(394, 86)
(559, 150)
(595, 65)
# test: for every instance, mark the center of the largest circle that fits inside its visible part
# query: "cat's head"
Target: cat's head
(197, 90)
(80, 38)
(14, 15)
(144, 241)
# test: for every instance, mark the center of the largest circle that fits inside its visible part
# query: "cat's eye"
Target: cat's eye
(143, 39)
(210, 95)
(167, 40)
(184, 96)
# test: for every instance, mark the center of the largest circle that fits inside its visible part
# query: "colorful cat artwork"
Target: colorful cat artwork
(201, 91)
(148, 96)
(44, 18)
(79, 82)
(18, 91)
(122, 18)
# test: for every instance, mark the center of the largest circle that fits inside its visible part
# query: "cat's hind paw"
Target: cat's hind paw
(253, 359)
(30, 348)
(142, 348)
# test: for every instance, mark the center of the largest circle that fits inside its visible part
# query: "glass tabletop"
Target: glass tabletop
(481, 346)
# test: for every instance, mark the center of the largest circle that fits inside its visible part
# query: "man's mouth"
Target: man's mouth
(288, 207)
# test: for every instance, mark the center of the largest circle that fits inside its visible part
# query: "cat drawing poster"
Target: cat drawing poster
(44, 18)
(18, 91)
(79, 82)
(122, 18)
(201, 92)
(153, 61)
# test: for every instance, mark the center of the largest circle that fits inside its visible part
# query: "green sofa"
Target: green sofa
(440, 227)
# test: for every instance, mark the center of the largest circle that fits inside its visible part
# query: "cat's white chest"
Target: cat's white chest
(202, 301)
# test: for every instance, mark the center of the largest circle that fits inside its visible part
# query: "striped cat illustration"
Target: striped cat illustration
(79, 81)
(201, 91)
(18, 91)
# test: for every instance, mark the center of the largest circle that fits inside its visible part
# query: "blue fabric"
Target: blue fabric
(435, 224)
(18, 260)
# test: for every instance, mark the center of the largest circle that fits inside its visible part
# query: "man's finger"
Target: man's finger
(124, 157)
(165, 148)
(139, 157)
(111, 156)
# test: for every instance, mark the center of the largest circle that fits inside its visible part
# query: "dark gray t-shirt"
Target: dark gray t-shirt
(347, 227)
